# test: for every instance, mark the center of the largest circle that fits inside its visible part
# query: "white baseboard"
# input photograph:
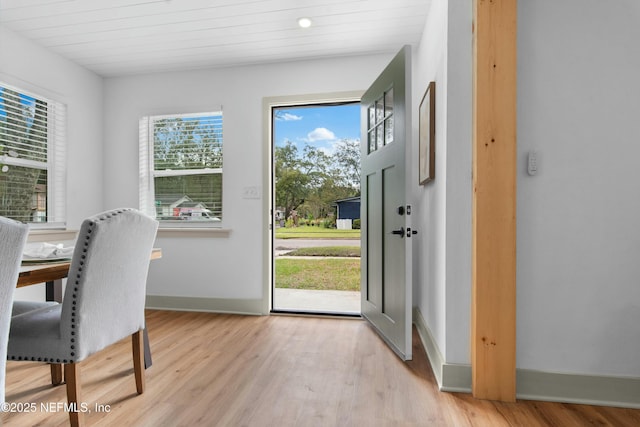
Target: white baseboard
(582, 389)
(450, 377)
(535, 385)
(213, 305)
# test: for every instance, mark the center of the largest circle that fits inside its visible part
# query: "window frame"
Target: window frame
(55, 164)
(148, 173)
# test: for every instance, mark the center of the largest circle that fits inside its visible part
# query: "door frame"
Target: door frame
(268, 104)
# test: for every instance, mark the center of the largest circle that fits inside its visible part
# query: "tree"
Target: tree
(292, 183)
(347, 158)
(310, 182)
(189, 143)
(23, 135)
(291, 190)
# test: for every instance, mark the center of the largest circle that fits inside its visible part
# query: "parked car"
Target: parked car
(198, 216)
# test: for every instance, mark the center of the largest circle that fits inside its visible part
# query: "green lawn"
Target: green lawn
(333, 251)
(318, 274)
(308, 232)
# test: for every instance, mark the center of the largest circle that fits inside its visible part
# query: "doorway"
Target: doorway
(315, 203)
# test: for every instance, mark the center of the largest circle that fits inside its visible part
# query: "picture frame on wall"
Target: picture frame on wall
(427, 146)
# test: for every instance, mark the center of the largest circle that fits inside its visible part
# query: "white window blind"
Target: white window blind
(180, 158)
(32, 157)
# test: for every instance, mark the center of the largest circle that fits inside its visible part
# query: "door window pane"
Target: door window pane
(372, 141)
(388, 114)
(388, 103)
(379, 110)
(380, 135)
(372, 116)
(388, 130)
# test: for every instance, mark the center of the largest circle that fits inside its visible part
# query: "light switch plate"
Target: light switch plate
(251, 192)
(532, 162)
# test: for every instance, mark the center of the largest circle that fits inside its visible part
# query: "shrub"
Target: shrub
(329, 223)
(356, 224)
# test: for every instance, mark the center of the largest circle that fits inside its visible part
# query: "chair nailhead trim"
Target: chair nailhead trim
(85, 249)
(40, 359)
(75, 294)
(74, 297)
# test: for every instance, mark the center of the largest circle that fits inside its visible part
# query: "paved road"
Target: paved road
(282, 244)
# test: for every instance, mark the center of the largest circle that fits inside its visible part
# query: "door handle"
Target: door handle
(411, 232)
(399, 232)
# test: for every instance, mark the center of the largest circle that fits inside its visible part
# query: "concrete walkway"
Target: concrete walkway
(346, 302)
(309, 243)
(282, 246)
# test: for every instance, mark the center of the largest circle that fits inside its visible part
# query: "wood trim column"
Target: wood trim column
(493, 319)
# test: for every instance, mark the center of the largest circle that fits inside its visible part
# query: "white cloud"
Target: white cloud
(328, 150)
(321, 134)
(288, 117)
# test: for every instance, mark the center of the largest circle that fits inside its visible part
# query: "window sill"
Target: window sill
(62, 235)
(193, 232)
(44, 235)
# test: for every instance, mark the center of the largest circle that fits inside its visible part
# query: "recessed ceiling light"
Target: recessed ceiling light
(304, 22)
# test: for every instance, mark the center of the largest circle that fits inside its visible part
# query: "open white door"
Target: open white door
(386, 227)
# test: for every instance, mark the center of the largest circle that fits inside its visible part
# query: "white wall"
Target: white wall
(578, 241)
(578, 270)
(228, 268)
(28, 66)
(443, 251)
(429, 255)
(459, 181)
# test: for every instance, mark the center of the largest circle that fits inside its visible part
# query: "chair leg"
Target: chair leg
(147, 349)
(72, 376)
(138, 360)
(56, 374)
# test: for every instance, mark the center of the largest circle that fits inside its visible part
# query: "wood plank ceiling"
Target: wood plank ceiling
(124, 37)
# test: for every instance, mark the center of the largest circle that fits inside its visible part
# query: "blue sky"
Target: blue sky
(24, 99)
(318, 126)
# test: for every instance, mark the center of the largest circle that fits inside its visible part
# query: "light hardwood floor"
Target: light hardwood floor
(230, 370)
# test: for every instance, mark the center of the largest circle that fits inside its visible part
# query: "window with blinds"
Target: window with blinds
(32, 157)
(181, 168)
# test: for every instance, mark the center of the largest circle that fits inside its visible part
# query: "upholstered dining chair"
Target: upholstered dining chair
(103, 301)
(13, 236)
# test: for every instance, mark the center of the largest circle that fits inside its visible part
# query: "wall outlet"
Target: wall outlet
(252, 192)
